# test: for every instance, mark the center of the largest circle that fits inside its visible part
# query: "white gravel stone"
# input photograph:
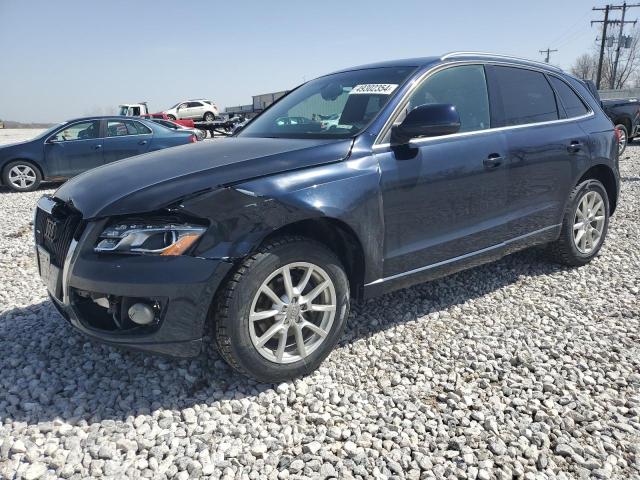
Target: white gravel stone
(520, 368)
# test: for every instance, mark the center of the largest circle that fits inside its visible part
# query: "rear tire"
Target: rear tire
(21, 176)
(624, 138)
(274, 330)
(586, 218)
(209, 117)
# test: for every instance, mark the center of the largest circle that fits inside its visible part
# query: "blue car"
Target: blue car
(79, 145)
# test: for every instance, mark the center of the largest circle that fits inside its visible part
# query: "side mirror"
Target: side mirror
(429, 120)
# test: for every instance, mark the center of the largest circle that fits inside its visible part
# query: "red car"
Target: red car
(184, 122)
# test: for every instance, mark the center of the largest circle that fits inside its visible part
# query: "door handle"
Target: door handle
(98, 147)
(492, 161)
(574, 146)
(142, 142)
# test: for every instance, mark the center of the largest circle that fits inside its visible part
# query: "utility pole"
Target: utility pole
(548, 51)
(604, 39)
(605, 22)
(619, 46)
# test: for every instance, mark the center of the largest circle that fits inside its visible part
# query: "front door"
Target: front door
(74, 148)
(184, 111)
(444, 197)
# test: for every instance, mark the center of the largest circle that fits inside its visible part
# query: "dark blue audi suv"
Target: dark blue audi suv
(428, 166)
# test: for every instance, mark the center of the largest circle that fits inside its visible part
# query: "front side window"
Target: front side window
(573, 106)
(523, 96)
(464, 87)
(78, 131)
(335, 106)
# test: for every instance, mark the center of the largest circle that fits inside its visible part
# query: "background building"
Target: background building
(260, 102)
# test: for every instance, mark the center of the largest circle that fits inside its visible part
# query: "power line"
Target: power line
(548, 52)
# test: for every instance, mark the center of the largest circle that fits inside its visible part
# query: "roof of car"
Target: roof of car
(425, 61)
(105, 117)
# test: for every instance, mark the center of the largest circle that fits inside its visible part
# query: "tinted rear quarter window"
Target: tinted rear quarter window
(573, 106)
(522, 96)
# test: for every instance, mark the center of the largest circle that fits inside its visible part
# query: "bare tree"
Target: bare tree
(585, 67)
(628, 73)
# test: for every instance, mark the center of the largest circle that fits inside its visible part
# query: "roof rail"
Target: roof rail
(497, 55)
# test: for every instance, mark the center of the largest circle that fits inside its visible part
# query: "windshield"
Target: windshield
(335, 106)
(123, 110)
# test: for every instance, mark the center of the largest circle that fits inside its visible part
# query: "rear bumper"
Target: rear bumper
(181, 287)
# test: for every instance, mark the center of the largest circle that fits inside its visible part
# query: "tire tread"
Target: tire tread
(221, 311)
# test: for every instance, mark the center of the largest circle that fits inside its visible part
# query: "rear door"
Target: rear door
(544, 147)
(196, 110)
(74, 149)
(125, 138)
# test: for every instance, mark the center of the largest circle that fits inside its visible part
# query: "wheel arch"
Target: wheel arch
(605, 175)
(626, 121)
(338, 237)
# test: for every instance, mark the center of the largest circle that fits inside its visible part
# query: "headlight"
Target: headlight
(155, 238)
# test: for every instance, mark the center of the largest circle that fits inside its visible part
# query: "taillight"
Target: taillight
(193, 138)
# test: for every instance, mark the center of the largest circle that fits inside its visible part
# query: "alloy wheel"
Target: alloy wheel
(589, 222)
(292, 312)
(22, 176)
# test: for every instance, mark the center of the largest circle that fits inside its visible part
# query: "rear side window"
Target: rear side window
(119, 128)
(573, 106)
(136, 128)
(522, 96)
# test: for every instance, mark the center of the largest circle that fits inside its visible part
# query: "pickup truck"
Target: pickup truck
(625, 115)
(623, 112)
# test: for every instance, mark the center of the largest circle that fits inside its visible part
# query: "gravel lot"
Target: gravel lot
(518, 369)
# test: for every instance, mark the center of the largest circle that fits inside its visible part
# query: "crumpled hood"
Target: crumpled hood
(152, 181)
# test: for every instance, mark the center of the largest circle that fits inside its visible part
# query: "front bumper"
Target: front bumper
(183, 287)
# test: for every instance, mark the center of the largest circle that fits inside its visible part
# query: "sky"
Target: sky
(68, 58)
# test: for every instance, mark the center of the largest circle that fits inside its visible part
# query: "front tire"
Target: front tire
(171, 117)
(21, 176)
(584, 226)
(209, 117)
(283, 310)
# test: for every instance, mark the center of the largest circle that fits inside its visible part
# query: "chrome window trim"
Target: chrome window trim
(460, 257)
(377, 144)
(497, 55)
